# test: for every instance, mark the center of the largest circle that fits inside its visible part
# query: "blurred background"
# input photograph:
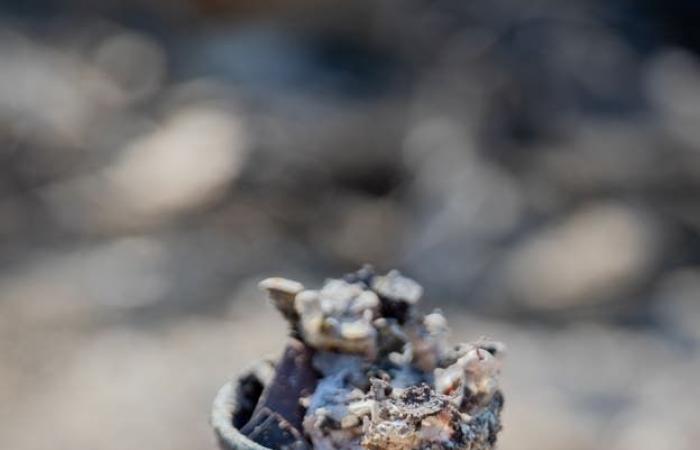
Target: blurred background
(535, 164)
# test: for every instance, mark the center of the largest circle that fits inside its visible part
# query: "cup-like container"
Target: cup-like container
(223, 420)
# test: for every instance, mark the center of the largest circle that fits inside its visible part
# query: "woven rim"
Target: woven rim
(222, 421)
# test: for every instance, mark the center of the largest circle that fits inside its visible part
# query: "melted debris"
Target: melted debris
(339, 318)
(388, 379)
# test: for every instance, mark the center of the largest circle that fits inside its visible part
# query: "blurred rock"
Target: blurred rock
(188, 161)
(599, 253)
(50, 98)
(183, 165)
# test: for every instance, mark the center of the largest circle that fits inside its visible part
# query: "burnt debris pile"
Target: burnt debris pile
(365, 370)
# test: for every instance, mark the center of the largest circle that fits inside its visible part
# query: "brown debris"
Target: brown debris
(277, 419)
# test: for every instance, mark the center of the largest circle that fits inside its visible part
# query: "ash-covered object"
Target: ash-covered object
(365, 370)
